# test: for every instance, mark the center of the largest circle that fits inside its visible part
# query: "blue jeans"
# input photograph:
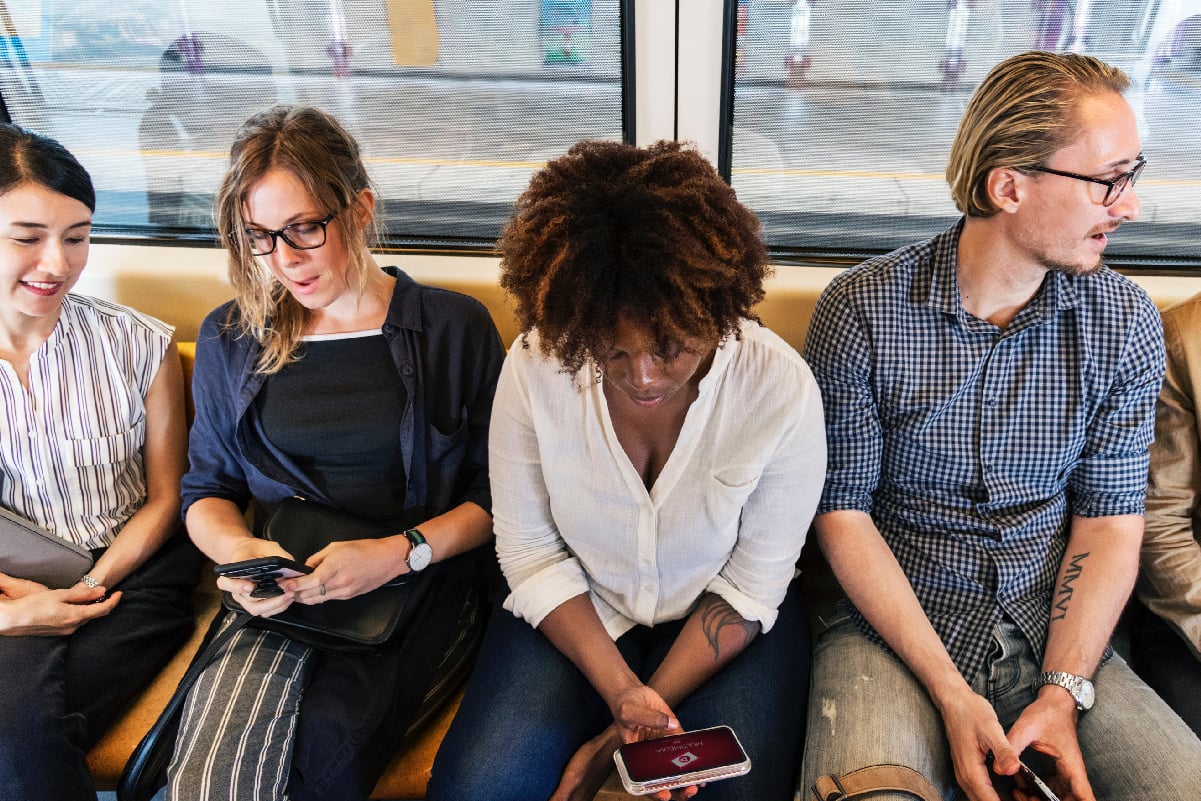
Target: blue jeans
(1160, 656)
(869, 709)
(528, 709)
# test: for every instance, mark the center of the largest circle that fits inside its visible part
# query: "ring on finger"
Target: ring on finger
(321, 590)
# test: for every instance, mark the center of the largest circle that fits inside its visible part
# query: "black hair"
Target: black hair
(30, 158)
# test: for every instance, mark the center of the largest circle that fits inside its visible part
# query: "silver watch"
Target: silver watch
(1080, 688)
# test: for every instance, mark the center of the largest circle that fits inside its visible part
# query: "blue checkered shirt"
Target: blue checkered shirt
(972, 447)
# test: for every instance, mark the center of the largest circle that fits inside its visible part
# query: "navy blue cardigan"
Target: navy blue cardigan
(448, 355)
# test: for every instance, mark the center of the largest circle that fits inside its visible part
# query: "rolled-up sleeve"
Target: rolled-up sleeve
(838, 352)
(775, 519)
(1111, 477)
(540, 571)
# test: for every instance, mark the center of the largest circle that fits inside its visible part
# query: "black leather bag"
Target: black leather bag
(363, 623)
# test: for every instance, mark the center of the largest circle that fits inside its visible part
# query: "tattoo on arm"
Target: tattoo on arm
(1066, 587)
(716, 615)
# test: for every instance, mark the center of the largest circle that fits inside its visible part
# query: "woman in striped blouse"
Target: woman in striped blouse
(92, 449)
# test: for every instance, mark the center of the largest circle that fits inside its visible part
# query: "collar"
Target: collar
(1057, 292)
(404, 309)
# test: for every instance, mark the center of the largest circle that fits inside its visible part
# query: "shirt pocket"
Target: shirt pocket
(729, 489)
(113, 449)
(446, 455)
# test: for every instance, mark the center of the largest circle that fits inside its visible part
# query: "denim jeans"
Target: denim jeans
(868, 709)
(527, 709)
(1160, 656)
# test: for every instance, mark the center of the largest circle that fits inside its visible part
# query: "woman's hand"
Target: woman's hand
(240, 589)
(643, 715)
(640, 713)
(29, 609)
(12, 588)
(348, 569)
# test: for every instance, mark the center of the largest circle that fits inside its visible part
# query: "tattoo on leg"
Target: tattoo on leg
(717, 614)
(1074, 569)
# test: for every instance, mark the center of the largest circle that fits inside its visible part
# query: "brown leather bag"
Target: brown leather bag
(874, 779)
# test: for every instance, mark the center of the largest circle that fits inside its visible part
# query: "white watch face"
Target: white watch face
(1087, 694)
(420, 556)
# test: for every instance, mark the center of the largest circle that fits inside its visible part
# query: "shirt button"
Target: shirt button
(991, 403)
(987, 468)
(406, 370)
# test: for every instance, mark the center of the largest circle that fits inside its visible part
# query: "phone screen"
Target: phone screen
(689, 752)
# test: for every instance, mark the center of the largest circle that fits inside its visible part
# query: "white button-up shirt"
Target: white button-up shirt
(728, 514)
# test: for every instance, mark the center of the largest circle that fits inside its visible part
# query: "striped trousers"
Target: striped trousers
(239, 724)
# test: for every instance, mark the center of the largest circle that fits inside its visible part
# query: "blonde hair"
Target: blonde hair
(1023, 112)
(325, 159)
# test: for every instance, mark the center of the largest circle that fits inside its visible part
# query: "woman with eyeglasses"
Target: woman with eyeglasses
(335, 380)
(92, 447)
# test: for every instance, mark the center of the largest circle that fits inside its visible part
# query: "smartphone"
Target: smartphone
(264, 571)
(1030, 782)
(1034, 785)
(678, 760)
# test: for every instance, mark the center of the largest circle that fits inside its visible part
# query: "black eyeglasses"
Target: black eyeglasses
(303, 235)
(1114, 187)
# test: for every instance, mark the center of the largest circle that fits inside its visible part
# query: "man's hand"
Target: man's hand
(1049, 726)
(973, 732)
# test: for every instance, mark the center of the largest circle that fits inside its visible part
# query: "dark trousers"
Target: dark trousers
(528, 709)
(1162, 659)
(58, 695)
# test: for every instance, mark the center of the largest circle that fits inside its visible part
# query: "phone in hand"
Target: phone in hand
(1030, 782)
(1035, 786)
(264, 572)
(679, 760)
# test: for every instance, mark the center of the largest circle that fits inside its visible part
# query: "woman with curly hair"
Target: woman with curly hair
(656, 456)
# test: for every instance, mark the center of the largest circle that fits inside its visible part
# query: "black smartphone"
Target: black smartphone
(1026, 780)
(1034, 785)
(264, 571)
(678, 760)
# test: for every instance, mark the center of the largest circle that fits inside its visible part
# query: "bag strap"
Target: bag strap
(146, 770)
(875, 779)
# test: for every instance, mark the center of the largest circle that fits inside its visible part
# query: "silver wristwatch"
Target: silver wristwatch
(1080, 687)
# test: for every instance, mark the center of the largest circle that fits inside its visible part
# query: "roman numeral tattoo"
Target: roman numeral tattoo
(1066, 588)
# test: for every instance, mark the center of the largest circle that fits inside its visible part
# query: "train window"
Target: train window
(456, 103)
(844, 112)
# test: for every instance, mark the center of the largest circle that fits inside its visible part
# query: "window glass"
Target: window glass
(844, 112)
(455, 102)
